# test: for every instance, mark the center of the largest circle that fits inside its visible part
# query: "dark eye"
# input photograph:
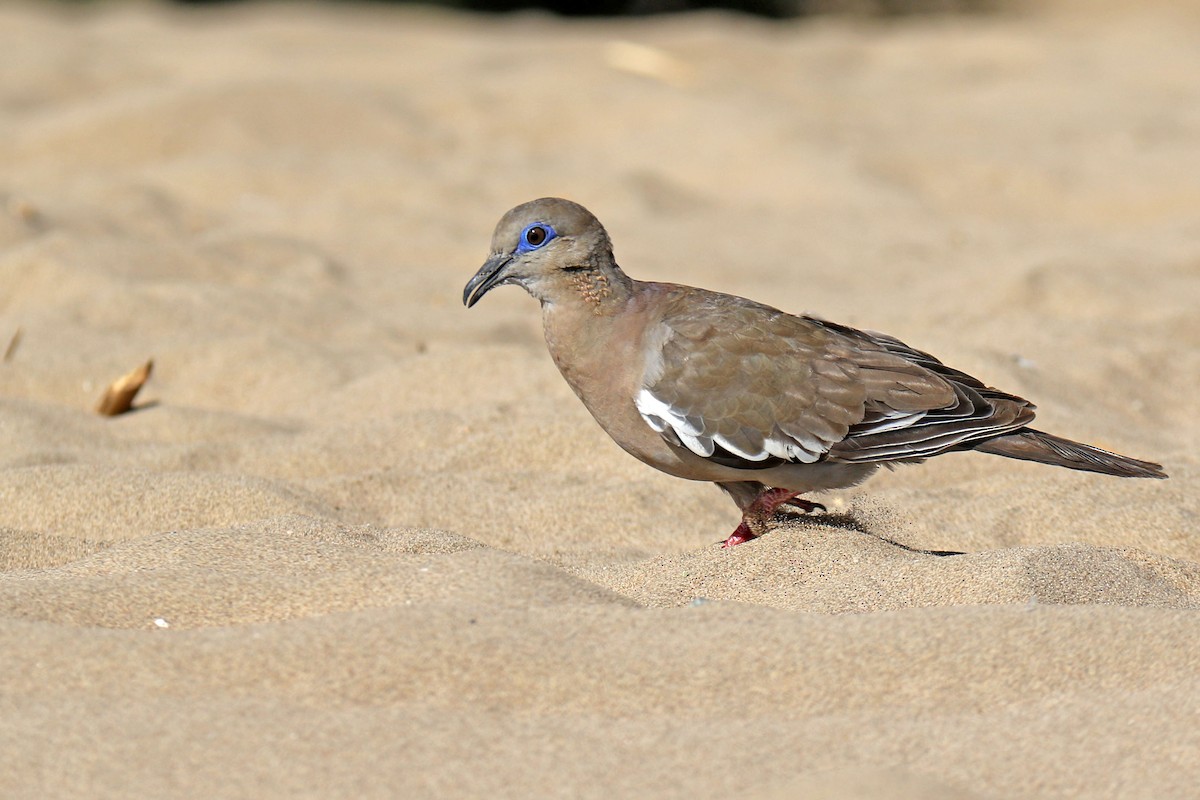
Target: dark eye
(534, 236)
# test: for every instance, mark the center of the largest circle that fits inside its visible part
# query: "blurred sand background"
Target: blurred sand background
(360, 542)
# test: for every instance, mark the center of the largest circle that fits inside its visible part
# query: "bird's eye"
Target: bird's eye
(534, 236)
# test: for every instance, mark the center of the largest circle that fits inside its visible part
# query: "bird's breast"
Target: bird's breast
(600, 357)
(604, 359)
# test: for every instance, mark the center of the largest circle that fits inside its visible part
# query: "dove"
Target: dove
(769, 406)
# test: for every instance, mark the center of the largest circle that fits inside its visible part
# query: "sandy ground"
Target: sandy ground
(361, 542)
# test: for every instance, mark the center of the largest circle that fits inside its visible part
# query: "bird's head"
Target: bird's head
(547, 247)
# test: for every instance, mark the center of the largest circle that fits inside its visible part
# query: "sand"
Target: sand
(357, 541)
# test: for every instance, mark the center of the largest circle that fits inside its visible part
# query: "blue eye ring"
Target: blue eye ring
(534, 236)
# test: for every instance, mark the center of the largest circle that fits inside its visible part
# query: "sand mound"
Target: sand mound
(836, 569)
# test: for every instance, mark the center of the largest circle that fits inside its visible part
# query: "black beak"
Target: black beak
(486, 279)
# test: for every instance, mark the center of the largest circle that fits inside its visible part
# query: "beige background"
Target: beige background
(362, 542)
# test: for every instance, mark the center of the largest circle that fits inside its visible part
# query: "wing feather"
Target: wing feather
(749, 386)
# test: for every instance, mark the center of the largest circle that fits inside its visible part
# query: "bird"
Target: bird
(767, 405)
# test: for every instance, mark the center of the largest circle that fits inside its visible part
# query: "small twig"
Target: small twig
(13, 343)
(118, 397)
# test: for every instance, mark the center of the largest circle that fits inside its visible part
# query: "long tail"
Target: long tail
(1031, 445)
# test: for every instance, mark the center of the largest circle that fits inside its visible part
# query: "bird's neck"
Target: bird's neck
(587, 339)
(599, 289)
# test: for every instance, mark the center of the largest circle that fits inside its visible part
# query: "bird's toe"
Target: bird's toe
(796, 507)
(740, 535)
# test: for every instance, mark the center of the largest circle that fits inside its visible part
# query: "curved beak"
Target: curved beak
(486, 279)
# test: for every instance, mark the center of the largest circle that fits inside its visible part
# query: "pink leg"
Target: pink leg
(758, 514)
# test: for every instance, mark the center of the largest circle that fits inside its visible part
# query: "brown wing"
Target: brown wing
(752, 387)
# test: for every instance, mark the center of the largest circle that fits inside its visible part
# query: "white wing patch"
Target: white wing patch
(677, 427)
(661, 417)
(889, 420)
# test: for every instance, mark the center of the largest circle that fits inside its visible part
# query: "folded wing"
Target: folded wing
(751, 387)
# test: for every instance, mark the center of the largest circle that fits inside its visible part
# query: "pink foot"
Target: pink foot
(740, 535)
(807, 506)
(771, 499)
(759, 512)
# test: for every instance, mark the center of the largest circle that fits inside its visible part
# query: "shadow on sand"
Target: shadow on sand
(848, 522)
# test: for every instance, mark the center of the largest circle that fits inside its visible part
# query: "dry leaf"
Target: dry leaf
(118, 398)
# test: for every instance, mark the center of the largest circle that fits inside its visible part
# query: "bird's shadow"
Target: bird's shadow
(848, 522)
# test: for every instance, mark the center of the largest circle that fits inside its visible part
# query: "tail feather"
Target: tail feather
(1030, 445)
